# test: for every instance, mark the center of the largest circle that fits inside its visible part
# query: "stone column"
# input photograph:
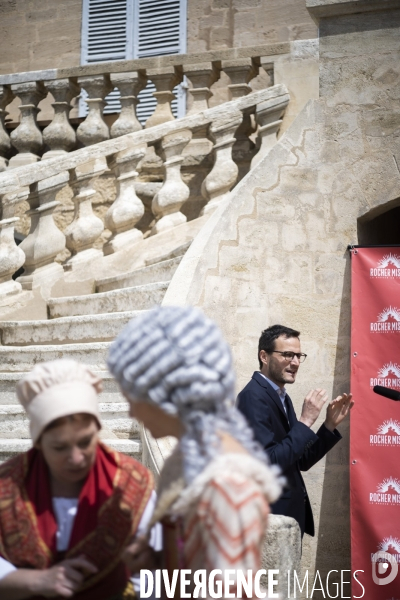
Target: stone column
(86, 227)
(240, 72)
(27, 138)
(44, 240)
(165, 80)
(224, 173)
(11, 255)
(268, 116)
(6, 97)
(59, 136)
(129, 85)
(94, 129)
(174, 192)
(201, 77)
(127, 209)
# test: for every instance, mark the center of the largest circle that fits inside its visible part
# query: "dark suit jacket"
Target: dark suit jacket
(290, 444)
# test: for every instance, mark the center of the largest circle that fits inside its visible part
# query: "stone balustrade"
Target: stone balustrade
(58, 87)
(121, 157)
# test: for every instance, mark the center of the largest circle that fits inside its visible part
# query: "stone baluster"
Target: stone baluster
(94, 129)
(6, 97)
(27, 137)
(224, 173)
(164, 79)
(240, 71)
(127, 209)
(201, 78)
(44, 240)
(11, 255)
(129, 85)
(268, 116)
(86, 227)
(59, 136)
(174, 192)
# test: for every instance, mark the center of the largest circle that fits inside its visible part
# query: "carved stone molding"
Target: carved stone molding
(268, 116)
(129, 85)
(94, 129)
(240, 72)
(59, 136)
(127, 209)
(27, 137)
(174, 192)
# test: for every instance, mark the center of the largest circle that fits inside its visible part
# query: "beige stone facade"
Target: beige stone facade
(46, 34)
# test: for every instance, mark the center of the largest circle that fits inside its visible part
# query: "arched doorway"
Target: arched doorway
(381, 230)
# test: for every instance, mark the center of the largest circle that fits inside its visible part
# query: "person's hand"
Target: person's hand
(312, 406)
(140, 555)
(64, 579)
(337, 410)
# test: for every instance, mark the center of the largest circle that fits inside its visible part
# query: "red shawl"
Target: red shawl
(111, 504)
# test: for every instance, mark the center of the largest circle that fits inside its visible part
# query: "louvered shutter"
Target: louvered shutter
(124, 29)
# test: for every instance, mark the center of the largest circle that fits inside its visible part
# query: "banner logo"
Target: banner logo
(381, 561)
(388, 434)
(387, 321)
(388, 376)
(388, 266)
(387, 492)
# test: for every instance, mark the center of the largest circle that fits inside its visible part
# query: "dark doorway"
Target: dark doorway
(382, 230)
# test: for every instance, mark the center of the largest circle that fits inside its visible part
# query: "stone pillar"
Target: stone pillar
(268, 116)
(201, 77)
(44, 240)
(174, 192)
(240, 72)
(129, 85)
(11, 255)
(127, 209)
(86, 227)
(94, 129)
(165, 80)
(27, 138)
(59, 136)
(6, 97)
(224, 173)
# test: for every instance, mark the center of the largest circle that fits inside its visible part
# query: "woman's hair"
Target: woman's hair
(76, 418)
(177, 359)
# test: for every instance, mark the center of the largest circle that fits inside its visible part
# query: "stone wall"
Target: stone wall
(46, 34)
(276, 251)
(39, 34)
(234, 23)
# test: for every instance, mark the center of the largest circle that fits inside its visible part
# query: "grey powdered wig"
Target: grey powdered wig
(176, 358)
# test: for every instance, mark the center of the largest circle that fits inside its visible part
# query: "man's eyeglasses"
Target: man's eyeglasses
(289, 356)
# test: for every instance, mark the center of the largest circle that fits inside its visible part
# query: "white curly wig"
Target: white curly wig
(176, 358)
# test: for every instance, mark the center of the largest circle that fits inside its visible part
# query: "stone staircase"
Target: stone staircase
(81, 327)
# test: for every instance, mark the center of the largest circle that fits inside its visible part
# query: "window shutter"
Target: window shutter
(125, 29)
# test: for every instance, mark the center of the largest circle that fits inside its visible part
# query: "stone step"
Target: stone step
(160, 271)
(11, 447)
(23, 358)
(8, 381)
(65, 330)
(141, 297)
(178, 251)
(115, 420)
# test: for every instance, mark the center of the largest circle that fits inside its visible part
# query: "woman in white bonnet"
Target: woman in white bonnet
(176, 370)
(70, 505)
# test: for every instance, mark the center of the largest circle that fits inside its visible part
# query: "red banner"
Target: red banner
(375, 422)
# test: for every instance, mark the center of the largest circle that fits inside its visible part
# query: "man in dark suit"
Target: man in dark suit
(288, 441)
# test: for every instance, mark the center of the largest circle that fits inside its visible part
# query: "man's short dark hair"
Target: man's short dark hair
(269, 335)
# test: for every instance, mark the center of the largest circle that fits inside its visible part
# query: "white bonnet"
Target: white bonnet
(57, 389)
